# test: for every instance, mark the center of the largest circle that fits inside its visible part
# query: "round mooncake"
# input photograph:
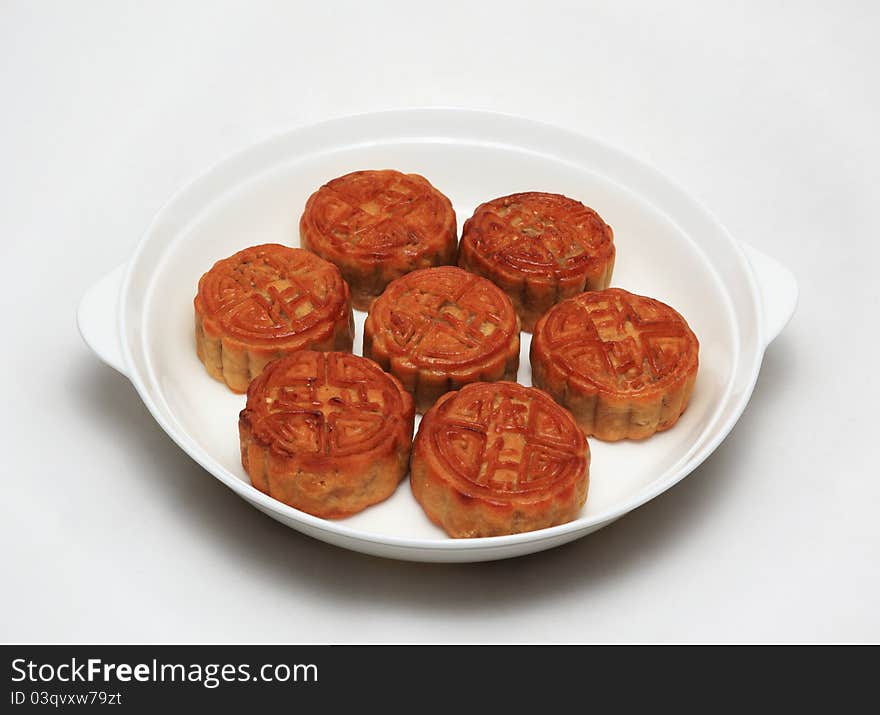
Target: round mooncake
(540, 248)
(327, 433)
(266, 302)
(625, 365)
(499, 458)
(438, 329)
(377, 226)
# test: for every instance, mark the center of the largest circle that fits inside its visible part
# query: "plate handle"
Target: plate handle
(779, 290)
(96, 318)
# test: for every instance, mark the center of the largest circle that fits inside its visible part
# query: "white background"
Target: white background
(767, 112)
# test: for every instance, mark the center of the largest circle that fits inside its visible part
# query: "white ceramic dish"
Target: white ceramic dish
(138, 319)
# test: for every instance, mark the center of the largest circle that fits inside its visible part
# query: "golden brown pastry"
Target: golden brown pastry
(540, 248)
(377, 226)
(266, 302)
(625, 365)
(327, 433)
(438, 329)
(499, 458)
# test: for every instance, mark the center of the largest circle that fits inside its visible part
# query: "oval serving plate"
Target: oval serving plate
(139, 318)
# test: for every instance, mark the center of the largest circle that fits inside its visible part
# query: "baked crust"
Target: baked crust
(540, 248)
(326, 433)
(499, 458)
(438, 329)
(265, 302)
(624, 364)
(377, 226)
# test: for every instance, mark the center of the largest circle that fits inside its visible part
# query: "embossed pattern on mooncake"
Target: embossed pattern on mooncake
(540, 248)
(265, 302)
(499, 458)
(377, 226)
(438, 329)
(624, 364)
(328, 433)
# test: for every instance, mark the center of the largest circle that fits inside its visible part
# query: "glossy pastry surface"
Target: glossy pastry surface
(327, 433)
(499, 458)
(540, 248)
(624, 364)
(438, 329)
(265, 302)
(377, 226)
